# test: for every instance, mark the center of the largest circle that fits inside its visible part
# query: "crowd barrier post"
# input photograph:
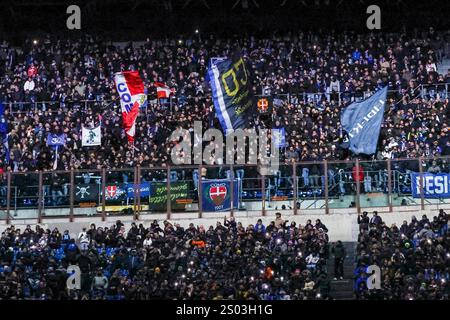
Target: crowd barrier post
(294, 177)
(40, 198)
(389, 170)
(137, 193)
(71, 197)
(200, 191)
(325, 169)
(103, 193)
(8, 197)
(358, 188)
(168, 206)
(232, 191)
(422, 194)
(263, 195)
(135, 188)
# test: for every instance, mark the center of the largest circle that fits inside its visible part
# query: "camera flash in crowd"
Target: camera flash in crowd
(196, 31)
(252, 278)
(282, 278)
(35, 41)
(278, 241)
(265, 286)
(183, 276)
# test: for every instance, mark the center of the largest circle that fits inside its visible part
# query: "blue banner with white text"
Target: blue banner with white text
(362, 122)
(434, 185)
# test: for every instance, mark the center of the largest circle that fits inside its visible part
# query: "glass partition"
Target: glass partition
(342, 186)
(184, 189)
(24, 194)
(56, 193)
(154, 199)
(402, 171)
(87, 192)
(374, 187)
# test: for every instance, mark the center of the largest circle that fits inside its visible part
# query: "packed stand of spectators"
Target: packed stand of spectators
(414, 258)
(279, 261)
(45, 85)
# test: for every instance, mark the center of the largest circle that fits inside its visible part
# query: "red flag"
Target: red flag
(130, 87)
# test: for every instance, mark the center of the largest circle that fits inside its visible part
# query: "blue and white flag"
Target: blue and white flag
(4, 132)
(362, 122)
(279, 137)
(56, 140)
(231, 95)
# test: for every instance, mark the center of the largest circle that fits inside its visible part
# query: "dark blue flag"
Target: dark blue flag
(217, 195)
(55, 140)
(362, 122)
(230, 86)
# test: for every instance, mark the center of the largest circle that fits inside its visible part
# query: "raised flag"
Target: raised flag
(131, 90)
(231, 95)
(162, 90)
(56, 140)
(91, 137)
(362, 122)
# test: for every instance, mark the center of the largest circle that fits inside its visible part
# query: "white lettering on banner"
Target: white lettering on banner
(359, 126)
(433, 184)
(125, 94)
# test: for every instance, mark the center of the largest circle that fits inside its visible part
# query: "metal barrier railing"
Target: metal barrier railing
(298, 186)
(425, 91)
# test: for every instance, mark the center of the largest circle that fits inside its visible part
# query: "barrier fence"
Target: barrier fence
(297, 186)
(424, 91)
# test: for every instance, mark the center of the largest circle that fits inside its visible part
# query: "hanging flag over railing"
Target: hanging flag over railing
(131, 90)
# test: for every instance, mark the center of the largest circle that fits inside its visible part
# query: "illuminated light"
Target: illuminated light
(192, 263)
(180, 41)
(267, 234)
(443, 280)
(261, 271)
(282, 278)
(318, 296)
(252, 278)
(183, 276)
(182, 253)
(189, 269)
(272, 272)
(299, 254)
(35, 41)
(176, 284)
(265, 286)
(196, 31)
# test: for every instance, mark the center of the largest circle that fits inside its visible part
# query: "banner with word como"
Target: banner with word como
(434, 185)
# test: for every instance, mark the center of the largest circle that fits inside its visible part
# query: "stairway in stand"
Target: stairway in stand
(343, 289)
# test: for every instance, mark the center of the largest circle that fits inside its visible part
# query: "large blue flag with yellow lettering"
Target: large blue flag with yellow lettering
(231, 95)
(362, 122)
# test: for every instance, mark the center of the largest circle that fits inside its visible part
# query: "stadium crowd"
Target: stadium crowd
(414, 258)
(57, 86)
(279, 261)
